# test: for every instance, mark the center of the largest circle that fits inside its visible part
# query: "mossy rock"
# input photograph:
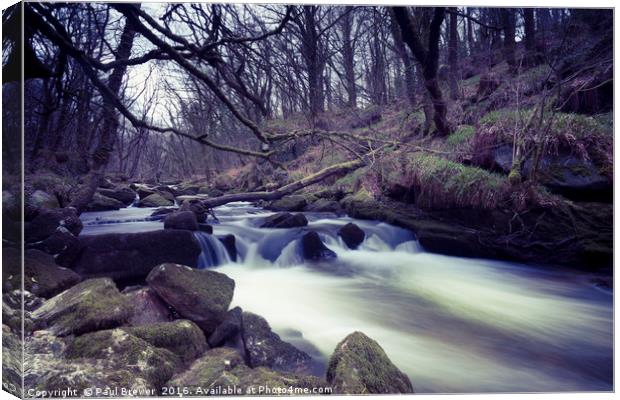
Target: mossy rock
(360, 366)
(101, 202)
(91, 305)
(289, 203)
(12, 356)
(156, 200)
(41, 275)
(201, 296)
(224, 367)
(214, 366)
(264, 348)
(181, 337)
(156, 365)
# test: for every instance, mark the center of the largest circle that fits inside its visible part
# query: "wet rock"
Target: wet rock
(41, 199)
(324, 205)
(123, 194)
(352, 235)
(187, 191)
(147, 307)
(142, 190)
(103, 203)
(229, 242)
(14, 300)
(360, 366)
(201, 296)
(197, 208)
(313, 248)
(211, 370)
(288, 203)
(227, 331)
(156, 200)
(181, 220)
(205, 228)
(12, 355)
(161, 213)
(181, 337)
(58, 242)
(88, 306)
(223, 368)
(47, 221)
(127, 352)
(41, 276)
(284, 220)
(133, 255)
(264, 348)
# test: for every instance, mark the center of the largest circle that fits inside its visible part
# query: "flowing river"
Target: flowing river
(454, 325)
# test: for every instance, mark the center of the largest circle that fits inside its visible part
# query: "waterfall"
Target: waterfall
(135, 202)
(213, 251)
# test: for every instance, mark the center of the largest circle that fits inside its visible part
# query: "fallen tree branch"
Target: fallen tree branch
(285, 190)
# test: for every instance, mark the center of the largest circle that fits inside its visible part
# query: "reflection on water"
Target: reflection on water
(452, 324)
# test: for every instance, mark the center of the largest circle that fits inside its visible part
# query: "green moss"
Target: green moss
(441, 183)
(156, 365)
(360, 366)
(462, 135)
(473, 81)
(181, 337)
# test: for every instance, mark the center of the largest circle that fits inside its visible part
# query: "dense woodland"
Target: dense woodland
(465, 107)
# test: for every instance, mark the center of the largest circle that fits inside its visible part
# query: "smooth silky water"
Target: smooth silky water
(452, 324)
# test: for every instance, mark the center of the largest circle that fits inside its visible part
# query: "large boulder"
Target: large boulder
(202, 296)
(154, 365)
(197, 208)
(162, 212)
(40, 199)
(288, 203)
(313, 248)
(360, 366)
(123, 194)
(264, 348)
(181, 337)
(48, 220)
(91, 305)
(133, 255)
(156, 200)
(227, 331)
(222, 371)
(100, 202)
(324, 205)
(41, 275)
(58, 242)
(181, 220)
(147, 307)
(352, 235)
(284, 220)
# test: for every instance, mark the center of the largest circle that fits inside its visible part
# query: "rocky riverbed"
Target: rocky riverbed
(302, 297)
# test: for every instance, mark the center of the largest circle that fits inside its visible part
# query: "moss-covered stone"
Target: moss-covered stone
(223, 368)
(156, 200)
(88, 306)
(201, 296)
(12, 367)
(360, 366)
(101, 202)
(264, 347)
(156, 365)
(289, 203)
(41, 275)
(181, 337)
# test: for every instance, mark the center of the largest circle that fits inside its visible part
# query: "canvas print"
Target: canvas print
(267, 199)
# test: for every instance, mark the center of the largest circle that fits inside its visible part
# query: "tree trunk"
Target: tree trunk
(530, 36)
(108, 132)
(409, 72)
(428, 59)
(508, 22)
(453, 56)
(348, 58)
